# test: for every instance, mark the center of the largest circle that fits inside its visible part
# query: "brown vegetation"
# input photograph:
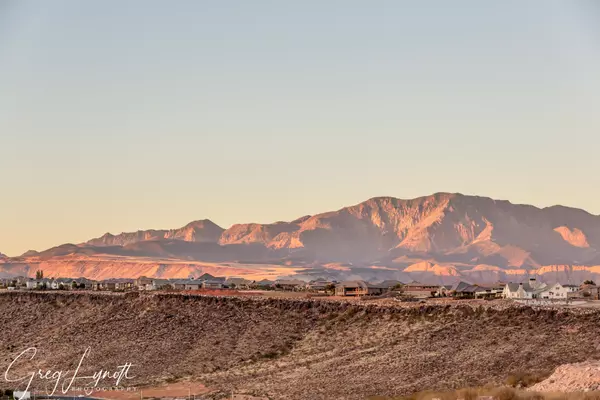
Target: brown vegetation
(497, 393)
(295, 348)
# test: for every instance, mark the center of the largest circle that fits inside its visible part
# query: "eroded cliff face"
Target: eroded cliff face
(291, 348)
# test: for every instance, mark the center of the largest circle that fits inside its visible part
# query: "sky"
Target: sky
(124, 115)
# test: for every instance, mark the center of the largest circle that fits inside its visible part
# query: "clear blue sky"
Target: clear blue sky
(126, 115)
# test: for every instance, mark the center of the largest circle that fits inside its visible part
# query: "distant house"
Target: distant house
(517, 291)
(263, 284)
(358, 288)
(158, 284)
(125, 284)
(83, 283)
(464, 290)
(318, 285)
(531, 289)
(20, 280)
(143, 283)
(558, 291)
(149, 284)
(32, 284)
(64, 283)
(107, 284)
(391, 284)
(193, 284)
(419, 290)
(209, 277)
(489, 292)
(590, 291)
(213, 284)
(289, 284)
(179, 284)
(238, 283)
(443, 291)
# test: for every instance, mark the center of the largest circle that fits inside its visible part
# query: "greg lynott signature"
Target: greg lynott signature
(63, 380)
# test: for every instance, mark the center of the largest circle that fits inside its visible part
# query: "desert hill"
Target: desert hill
(294, 349)
(453, 232)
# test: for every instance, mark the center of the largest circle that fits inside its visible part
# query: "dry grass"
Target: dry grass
(524, 379)
(497, 393)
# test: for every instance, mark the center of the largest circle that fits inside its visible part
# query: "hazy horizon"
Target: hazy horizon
(125, 116)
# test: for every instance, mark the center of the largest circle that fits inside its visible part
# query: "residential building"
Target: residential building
(238, 283)
(591, 292)
(213, 284)
(531, 289)
(290, 284)
(144, 283)
(263, 284)
(319, 285)
(358, 288)
(558, 291)
(419, 290)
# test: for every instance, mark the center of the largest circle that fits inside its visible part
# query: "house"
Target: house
(64, 283)
(464, 290)
(390, 284)
(187, 284)
(159, 284)
(194, 284)
(209, 277)
(143, 283)
(33, 284)
(107, 284)
(517, 291)
(419, 290)
(238, 283)
(289, 284)
(20, 280)
(591, 292)
(84, 283)
(264, 284)
(358, 288)
(527, 290)
(443, 291)
(213, 284)
(558, 291)
(319, 285)
(489, 292)
(179, 284)
(125, 284)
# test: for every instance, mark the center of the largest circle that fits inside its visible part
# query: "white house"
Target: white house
(558, 291)
(32, 284)
(528, 290)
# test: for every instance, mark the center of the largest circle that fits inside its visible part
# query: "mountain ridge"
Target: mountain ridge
(444, 229)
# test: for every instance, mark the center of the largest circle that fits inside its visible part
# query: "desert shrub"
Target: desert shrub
(270, 355)
(523, 379)
(467, 394)
(505, 393)
(497, 393)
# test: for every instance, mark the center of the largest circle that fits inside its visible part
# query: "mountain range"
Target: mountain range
(445, 236)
